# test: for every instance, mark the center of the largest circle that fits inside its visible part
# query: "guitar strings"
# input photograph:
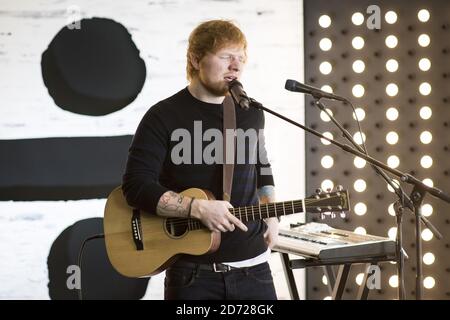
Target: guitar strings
(270, 211)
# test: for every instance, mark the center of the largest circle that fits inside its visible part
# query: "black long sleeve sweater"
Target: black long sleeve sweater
(158, 163)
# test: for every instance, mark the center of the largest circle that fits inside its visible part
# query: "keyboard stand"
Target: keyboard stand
(336, 283)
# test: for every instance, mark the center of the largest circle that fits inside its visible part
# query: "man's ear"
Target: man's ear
(194, 61)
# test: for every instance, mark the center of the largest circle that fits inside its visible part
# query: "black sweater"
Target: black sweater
(150, 171)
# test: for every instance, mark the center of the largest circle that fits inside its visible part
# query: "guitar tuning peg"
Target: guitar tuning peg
(322, 216)
(333, 215)
(342, 215)
(339, 187)
(329, 190)
(318, 191)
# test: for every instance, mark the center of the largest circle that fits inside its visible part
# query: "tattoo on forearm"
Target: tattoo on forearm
(266, 194)
(172, 204)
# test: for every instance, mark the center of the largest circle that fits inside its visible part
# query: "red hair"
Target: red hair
(211, 36)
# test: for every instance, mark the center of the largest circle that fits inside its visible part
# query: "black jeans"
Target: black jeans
(253, 283)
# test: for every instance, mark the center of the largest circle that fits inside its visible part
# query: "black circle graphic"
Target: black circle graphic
(94, 70)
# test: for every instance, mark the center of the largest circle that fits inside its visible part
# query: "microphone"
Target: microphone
(238, 94)
(296, 86)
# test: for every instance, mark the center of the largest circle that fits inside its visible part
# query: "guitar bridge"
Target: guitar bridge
(136, 229)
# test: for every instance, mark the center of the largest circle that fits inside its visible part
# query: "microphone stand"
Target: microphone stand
(404, 201)
(417, 195)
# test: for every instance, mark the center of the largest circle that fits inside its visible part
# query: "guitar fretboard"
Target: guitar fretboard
(268, 210)
(258, 212)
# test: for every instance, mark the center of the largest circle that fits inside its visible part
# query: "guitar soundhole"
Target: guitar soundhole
(176, 227)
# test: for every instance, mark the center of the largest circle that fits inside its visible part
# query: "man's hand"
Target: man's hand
(271, 234)
(215, 215)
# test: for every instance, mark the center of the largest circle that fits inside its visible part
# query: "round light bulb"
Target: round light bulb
(427, 209)
(429, 282)
(358, 66)
(391, 41)
(392, 114)
(390, 17)
(360, 114)
(329, 135)
(427, 235)
(391, 89)
(358, 43)
(360, 208)
(324, 21)
(426, 162)
(327, 162)
(391, 210)
(428, 182)
(425, 112)
(425, 88)
(426, 137)
(391, 65)
(393, 162)
(428, 258)
(358, 18)
(358, 90)
(325, 44)
(393, 281)
(325, 68)
(324, 116)
(327, 88)
(359, 162)
(360, 185)
(392, 233)
(359, 279)
(424, 40)
(423, 15)
(424, 64)
(327, 184)
(392, 137)
(359, 139)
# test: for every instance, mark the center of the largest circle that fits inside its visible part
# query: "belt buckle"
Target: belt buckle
(223, 267)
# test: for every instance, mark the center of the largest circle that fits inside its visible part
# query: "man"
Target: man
(153, 179)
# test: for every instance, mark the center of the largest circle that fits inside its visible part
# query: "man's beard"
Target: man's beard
(219, 89)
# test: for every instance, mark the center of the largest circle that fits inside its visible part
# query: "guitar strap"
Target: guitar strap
(229, 122)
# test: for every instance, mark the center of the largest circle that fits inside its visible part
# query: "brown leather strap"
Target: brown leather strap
(229, 122)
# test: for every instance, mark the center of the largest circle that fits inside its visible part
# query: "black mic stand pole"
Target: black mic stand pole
(418, 193)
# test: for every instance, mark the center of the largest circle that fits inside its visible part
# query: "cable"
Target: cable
(359, 128)
(80, 258)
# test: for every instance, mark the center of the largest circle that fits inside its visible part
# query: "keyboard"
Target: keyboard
(320, 241)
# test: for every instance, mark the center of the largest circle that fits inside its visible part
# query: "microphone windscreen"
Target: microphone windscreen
(290, 85)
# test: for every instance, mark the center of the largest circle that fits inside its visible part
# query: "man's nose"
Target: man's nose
(235, 64)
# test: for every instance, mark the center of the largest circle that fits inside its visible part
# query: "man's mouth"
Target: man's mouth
(230, 78)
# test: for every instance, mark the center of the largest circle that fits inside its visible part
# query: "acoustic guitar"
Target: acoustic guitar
(142, 244)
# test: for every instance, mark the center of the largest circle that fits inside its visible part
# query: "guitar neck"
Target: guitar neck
(258, 212)
(268, 210)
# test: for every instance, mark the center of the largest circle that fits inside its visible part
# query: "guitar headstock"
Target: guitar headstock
(328, 202)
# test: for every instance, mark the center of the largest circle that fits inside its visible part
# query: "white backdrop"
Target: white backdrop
(274, 30)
